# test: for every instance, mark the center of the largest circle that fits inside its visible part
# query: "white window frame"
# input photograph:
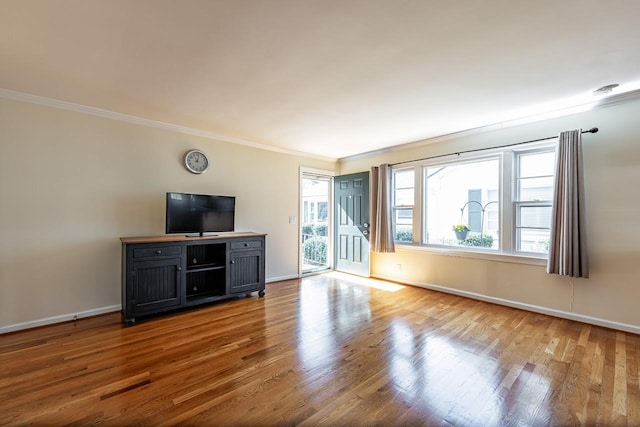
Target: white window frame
(518, 203)
(395, 208)
(508, 206)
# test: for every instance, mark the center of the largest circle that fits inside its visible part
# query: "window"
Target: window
(462, 194)
(503, 199)
(403, 201)
(534, 191)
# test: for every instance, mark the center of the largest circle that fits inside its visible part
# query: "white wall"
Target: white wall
(72, 184)
(612, 164)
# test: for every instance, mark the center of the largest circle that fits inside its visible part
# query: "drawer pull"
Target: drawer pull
(159, 252)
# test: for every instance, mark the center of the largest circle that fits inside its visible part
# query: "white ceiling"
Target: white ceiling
(327, 77)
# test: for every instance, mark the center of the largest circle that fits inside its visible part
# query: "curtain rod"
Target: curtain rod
(457, 153)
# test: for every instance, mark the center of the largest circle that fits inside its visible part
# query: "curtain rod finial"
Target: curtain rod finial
(593, 130)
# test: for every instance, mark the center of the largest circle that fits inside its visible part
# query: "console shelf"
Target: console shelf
(167, 273)
(205, 267)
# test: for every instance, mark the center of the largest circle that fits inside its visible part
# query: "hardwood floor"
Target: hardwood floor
(324, 350)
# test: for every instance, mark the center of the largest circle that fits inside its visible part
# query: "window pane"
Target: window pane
(404, 197)
(404, 225)
(533, 240)
(462, 194)
(404, 217)
(535, 216)
(404, 179)
(537, 164)
(536, 189)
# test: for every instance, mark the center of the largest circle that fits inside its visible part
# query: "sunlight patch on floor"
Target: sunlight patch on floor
(365, 281)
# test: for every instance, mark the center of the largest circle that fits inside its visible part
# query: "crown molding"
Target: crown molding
(567, 111)
(112, 115)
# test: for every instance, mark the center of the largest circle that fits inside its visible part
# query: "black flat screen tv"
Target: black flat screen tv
(199, 213)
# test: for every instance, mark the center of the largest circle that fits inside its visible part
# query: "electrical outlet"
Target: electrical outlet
(399, 268)
(292, 219)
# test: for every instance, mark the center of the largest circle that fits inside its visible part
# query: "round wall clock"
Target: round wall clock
(196, 161)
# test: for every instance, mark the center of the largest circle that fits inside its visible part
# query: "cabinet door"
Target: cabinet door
(246, 271)
(156, 284)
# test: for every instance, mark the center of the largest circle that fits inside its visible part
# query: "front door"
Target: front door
(352, 223)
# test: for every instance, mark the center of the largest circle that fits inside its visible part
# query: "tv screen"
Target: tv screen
(199, 213)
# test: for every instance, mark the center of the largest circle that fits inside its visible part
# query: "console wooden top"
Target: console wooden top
(183, 238)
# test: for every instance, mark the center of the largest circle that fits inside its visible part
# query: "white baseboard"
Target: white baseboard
(88, 313)
(522, 306)
(278, 279)
(58, 319)
(514, 304)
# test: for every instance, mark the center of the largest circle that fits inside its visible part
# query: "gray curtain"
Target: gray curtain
(568, 244)
(381, 209)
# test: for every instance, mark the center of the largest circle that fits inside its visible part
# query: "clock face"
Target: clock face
(196, 161)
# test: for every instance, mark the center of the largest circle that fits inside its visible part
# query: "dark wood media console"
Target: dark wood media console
(167, 273)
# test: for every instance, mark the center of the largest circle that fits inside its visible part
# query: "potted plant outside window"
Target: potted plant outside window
(461, 231)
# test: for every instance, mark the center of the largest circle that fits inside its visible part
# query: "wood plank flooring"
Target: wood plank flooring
(325, 350)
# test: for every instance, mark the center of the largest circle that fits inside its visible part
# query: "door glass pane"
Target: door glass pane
(322, 211)
(314, 229)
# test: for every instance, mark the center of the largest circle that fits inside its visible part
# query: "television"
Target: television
(199, 213)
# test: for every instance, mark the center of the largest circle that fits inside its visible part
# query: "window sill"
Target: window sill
(497, 256)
